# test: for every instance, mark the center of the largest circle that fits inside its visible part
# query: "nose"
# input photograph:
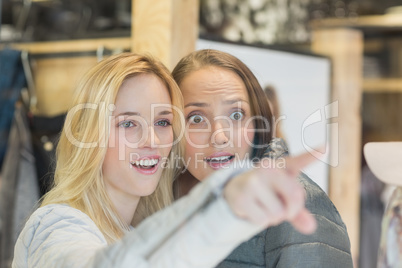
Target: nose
(220, 134)
(150, 140)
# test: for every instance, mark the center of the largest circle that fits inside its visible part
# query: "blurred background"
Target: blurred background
(283, 25)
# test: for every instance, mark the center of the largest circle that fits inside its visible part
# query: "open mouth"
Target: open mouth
(219, 159)
(146, 166)
(145, 163)
(218, 162)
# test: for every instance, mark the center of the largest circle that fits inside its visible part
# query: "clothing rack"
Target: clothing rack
(1, 4)
(70, 48)
(32, 99)
(57, 68)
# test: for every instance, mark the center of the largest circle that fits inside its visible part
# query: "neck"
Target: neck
(183, 184)
(127, 210)
(124, 204)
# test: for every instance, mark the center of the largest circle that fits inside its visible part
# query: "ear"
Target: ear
(385, 160)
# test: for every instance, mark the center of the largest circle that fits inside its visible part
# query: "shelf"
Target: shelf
(389, 21)
(381, 85)
(81, 45)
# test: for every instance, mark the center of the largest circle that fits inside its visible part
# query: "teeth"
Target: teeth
(146, 162)
(220, 158)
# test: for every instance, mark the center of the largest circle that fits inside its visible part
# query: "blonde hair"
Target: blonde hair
(78, 179)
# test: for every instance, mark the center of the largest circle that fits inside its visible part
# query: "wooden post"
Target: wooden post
(345, 48)
(167, 29)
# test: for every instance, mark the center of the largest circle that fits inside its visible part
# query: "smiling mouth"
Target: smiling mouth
(145, 163)
(219, 159)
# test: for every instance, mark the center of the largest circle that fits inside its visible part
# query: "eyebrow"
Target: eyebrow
(234, 101)
(127, 113)
(165, 112)
(197, 104)
(203, 104)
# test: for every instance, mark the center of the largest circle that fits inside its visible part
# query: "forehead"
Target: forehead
(213, 81)
(141, 92)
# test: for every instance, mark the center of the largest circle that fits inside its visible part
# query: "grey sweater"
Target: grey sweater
(283, 247)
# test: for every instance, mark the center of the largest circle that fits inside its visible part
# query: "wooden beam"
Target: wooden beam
(82, 45)
(382, 85)
(389, 21)
(166, 29)
(345, 48)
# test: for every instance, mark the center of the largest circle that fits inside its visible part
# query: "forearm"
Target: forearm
(66, 237)
(202, 241)
(186, 233)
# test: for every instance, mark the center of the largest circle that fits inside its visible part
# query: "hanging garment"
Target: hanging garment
(371, 212)
(19, 191)
(45, 136)
(12, 80)
(390, 252)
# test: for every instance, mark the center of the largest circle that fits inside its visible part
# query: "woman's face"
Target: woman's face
(140, 139)
(219, 128)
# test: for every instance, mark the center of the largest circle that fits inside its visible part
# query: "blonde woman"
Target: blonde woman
(116, 160)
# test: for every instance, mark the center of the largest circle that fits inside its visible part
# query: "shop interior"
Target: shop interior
(353, 48)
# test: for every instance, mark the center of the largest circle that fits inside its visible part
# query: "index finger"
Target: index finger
(296, 163)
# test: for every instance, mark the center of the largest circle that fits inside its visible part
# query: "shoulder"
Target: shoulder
(56, 220)
(56, 233)
(59, 214)
(329, 221)
(318, 202)
(329, 244)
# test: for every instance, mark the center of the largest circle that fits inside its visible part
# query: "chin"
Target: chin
(203, 176)
(147, 192)
(146, 188)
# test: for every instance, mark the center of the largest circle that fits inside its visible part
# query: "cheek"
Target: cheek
(193, 158)
(244, 139)
(165, 141)
(250, 137)
(132, 136)
(123, 138)
(197, 143)
(190, 151)
(166, 150)
(165, 136)
(119, 145)
(112, 153)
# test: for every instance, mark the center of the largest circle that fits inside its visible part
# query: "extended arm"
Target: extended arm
(182, 235)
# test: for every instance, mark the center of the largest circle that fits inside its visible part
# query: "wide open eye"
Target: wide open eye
(196, 119)
(238, 115)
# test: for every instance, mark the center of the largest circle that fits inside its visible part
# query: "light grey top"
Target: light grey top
(199, 230)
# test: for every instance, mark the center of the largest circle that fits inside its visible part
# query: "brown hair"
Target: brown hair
(273, 101)
(259, 103)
